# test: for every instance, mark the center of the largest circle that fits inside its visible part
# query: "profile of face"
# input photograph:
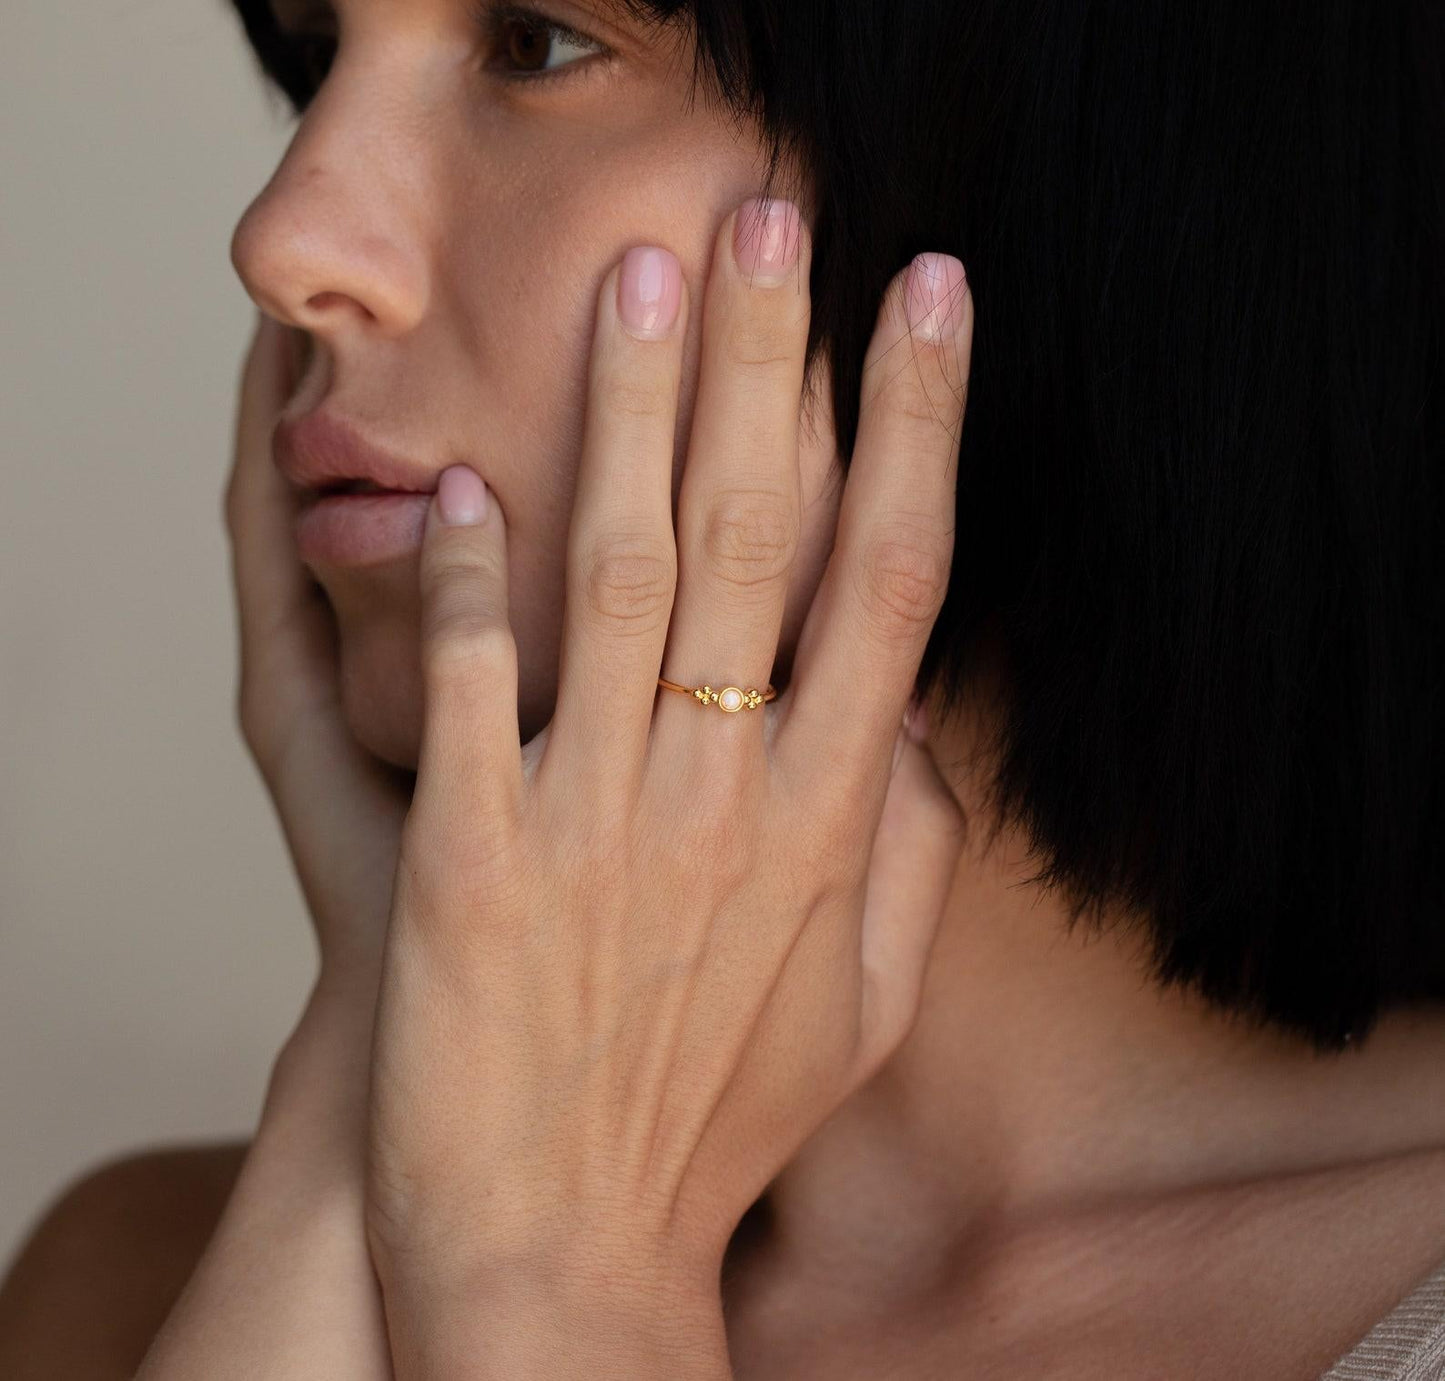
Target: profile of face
(439, 228)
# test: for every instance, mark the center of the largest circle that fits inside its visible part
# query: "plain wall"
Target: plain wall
(153, 945)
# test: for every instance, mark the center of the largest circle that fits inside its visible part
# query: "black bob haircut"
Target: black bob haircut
(1200, 488)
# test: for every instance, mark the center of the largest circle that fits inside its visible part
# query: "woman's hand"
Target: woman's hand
(341, 809)
(625, 982)
(286, 1287)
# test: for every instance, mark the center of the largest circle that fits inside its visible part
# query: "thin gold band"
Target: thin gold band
(729, 699)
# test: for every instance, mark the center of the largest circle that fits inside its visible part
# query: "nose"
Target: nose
(333, 244)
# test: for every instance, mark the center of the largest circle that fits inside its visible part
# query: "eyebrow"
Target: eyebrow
(623, 12)
(616, 9)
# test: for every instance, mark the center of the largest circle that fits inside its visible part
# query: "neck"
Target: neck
(1047, 1071)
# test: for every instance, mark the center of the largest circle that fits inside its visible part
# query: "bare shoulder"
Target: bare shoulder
(108, 1259)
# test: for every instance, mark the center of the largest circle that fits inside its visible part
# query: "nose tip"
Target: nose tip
(327, 252)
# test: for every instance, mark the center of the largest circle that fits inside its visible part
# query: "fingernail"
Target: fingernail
(765, 239)
(461, 497)
(649, 291)
(934, 295)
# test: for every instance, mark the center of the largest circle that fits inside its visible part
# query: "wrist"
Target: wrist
(558, 1320)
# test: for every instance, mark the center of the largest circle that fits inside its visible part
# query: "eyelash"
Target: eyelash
(493, 18)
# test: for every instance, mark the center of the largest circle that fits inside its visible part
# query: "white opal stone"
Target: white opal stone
(731, 699)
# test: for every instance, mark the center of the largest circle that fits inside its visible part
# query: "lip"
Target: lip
(360, 529)
(321, 449)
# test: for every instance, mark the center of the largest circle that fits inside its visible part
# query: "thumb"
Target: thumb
(910, 874)
(470, 757)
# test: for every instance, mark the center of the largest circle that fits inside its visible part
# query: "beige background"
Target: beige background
(153, 947)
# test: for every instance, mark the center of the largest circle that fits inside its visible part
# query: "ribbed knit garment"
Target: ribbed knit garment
(1408, 1344)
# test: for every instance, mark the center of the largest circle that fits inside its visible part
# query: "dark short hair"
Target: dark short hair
(1199, 507)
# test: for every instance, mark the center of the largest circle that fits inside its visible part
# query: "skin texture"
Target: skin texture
(1063, 1171)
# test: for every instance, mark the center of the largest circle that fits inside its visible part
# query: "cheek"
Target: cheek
(516, 306)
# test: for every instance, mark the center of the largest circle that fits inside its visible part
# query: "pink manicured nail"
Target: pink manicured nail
(461, 496)
(649, 291)
(934, 295)
(765, 239)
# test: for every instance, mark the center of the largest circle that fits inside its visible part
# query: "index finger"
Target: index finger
(864, 636)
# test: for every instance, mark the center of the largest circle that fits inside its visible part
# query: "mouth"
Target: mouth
(362, 505)
(330, 490)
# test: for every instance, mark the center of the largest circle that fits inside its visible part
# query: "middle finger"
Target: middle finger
(739, 506)
(621, 554)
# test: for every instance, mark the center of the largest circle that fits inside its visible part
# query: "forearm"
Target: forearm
(286, 1287)
(538, 1328)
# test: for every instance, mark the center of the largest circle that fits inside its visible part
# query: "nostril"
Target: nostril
(327, 303)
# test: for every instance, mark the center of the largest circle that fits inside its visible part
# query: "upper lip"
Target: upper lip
(321, 451)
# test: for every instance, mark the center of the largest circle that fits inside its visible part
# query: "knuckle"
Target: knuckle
(636, 396)
(920, 397)
(456, 564)
(629, 581)
(461, 648)
(458, 596)
(749, 537)
(761, 341)
(904, 575)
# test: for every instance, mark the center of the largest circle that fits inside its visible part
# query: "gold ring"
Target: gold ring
(729, 699)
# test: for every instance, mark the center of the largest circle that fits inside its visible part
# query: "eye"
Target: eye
(527, 44)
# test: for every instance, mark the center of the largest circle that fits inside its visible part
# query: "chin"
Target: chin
(381, 692)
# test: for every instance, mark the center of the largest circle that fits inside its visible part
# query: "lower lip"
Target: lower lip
(361, 529)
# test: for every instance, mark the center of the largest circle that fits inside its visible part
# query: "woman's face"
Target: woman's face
(440, 226)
